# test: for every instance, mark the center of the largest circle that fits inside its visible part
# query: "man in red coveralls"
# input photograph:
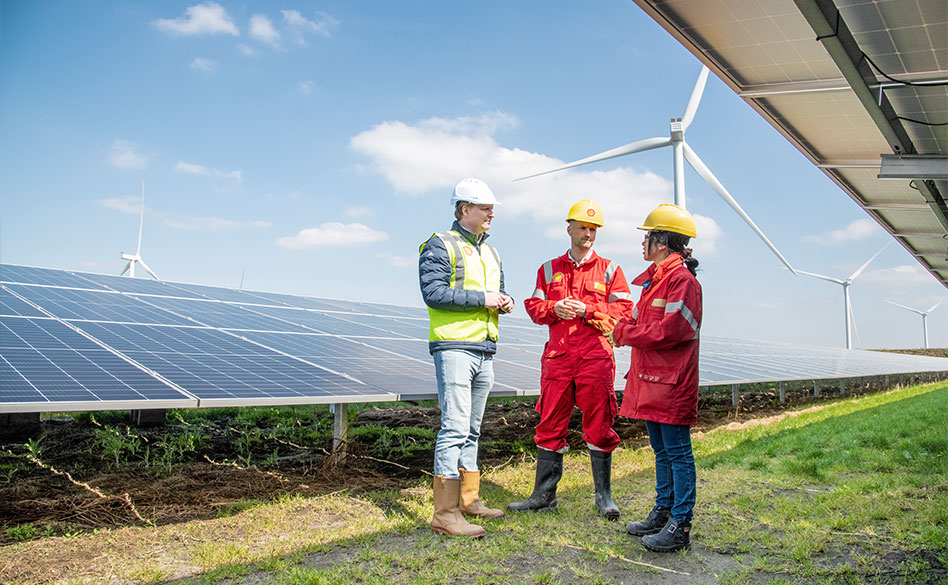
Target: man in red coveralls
(578, 367)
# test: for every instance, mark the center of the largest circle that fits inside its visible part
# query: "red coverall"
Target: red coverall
(662, 383)
(578, 367)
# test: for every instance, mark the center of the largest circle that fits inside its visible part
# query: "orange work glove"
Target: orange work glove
(603, 322)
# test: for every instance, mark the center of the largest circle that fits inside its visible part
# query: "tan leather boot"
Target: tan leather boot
(447, 517)
(470, 499)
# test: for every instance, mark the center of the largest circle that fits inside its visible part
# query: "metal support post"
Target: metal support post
(340, 429)
(781, 395)
(152, 417)
(735, 394)
(816, 388)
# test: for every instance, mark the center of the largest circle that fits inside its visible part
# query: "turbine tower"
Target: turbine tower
(681, 152)
(924, 315)
(136, 258)
(847, 305)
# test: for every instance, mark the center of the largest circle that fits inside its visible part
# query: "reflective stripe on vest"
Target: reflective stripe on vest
(472, 268)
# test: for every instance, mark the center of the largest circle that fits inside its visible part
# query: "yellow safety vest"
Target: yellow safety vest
(475, 271)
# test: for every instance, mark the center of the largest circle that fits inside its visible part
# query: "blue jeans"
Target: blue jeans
(674, 468)
(464, 381)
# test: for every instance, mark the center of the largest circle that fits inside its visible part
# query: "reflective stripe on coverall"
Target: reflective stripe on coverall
(662, 382)
(577, 366)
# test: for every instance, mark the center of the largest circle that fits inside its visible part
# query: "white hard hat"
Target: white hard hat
(473, 191)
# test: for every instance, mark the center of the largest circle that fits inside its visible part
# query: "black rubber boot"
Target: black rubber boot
(652, 524)
(602, 480)
(673, 536)
(549, 472)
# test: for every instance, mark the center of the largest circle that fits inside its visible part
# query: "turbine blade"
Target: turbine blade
(127, 266)
(829, 278)
(935, 306)
(696, 163)
(141, 222)
(695, 98)
(904, 307)
(640, 146)
(863, 267)
(148, 270)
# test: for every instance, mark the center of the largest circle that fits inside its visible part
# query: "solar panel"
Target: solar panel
(222, 369)
(94, 305)
(140, 286)
(45, 365)
(159, 344)
(47, 276)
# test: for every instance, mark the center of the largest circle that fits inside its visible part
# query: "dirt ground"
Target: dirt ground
(71, 488)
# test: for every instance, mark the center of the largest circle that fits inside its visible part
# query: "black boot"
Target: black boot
(549, 472)
(602, 480)
(672, 537)
(652, 524)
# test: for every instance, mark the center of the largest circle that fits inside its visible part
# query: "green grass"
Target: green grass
(850, 492)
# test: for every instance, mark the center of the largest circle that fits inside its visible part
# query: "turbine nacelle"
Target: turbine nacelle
(136, 258)
(681, 152)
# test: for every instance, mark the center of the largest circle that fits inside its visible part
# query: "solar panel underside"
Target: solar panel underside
(80, 341)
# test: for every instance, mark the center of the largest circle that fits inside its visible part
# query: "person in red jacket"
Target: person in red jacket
(578, 367)
(662, 383)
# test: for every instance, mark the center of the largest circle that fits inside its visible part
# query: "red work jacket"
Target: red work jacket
(597, 282)
(662, 383)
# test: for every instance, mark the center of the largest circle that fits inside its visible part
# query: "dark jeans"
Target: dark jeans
(674, 468)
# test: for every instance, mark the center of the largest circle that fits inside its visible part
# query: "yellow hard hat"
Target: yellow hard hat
(670, 218)
(585, 210)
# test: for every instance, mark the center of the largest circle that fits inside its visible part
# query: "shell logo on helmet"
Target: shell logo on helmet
(587, 211)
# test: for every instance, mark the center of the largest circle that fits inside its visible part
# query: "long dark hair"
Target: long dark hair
(676, 243)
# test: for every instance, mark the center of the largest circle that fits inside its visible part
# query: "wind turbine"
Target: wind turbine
(136, 258)
(681, 152)
(847, 305)
(924, 315)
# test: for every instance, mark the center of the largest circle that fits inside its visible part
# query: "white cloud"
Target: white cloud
(262, 29)
(124, 155)
(429, 157)
(193, 169)
(123, 204)
(897, 276)
(306, 87)
(205, 65)
(332, 235)
(207, 18)
(132, 205)
(859, 229)
(300, 26)
(356, 211)
(245, 50)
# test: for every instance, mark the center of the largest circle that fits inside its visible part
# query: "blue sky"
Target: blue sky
(310, 147)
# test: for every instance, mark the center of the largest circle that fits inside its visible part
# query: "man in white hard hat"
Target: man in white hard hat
(577, 367)
(462, 283)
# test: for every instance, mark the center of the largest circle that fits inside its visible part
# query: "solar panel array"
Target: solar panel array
(80, 341)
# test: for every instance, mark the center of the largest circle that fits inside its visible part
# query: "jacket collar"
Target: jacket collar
(568, 257)
(470, 237)
(655, 273)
